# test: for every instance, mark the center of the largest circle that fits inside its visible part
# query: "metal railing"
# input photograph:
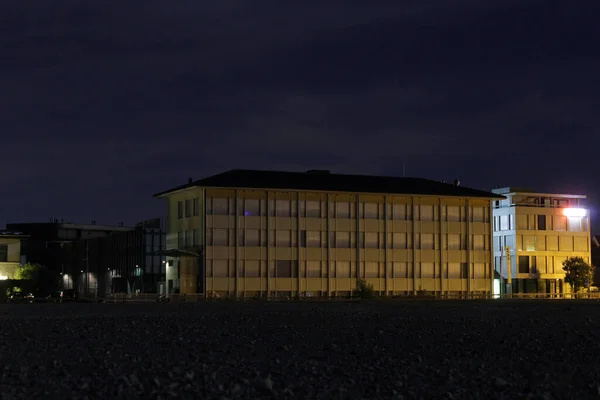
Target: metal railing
(201, 297)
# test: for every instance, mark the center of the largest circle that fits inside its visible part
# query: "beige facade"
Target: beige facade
(300, 243)
(539, 235)
(10, 255)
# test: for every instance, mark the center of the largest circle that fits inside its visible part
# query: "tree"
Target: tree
(28, 272)
(577, 273)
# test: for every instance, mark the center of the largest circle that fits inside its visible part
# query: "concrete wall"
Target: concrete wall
(438, 245)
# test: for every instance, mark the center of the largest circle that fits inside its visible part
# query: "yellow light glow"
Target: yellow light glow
(3, 277)
(574, 212)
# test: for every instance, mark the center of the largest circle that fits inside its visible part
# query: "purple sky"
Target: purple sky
(104, 103)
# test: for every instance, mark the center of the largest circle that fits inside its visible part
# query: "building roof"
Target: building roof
(12, 235)
(325, 181)
(530, 192)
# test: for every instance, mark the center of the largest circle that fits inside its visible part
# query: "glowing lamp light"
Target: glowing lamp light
(574, 212)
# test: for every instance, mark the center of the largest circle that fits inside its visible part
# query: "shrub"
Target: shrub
(364, 290)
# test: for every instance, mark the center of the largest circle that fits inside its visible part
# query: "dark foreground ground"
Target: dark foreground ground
(447, 350)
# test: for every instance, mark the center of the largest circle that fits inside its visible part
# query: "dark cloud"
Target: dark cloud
(105, 102)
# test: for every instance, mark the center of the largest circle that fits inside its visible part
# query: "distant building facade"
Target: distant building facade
(98, 259)
(533, 234)
(121, 262)
(46, 239)
(249, 233)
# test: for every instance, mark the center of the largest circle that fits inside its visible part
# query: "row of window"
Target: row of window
(344, 269)
(188, 208)
(558, 223)
(320, 209)
(533, 264)
(340, 240)
(542, 243)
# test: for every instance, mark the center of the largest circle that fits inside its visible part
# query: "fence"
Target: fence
(200, 297)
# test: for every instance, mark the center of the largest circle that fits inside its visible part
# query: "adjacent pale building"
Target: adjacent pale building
(533, 234)
(10, 254)
(246, 233)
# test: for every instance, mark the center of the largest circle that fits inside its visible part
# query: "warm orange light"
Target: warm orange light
(574, 212)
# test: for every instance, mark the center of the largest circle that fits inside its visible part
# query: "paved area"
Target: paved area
(226, 350)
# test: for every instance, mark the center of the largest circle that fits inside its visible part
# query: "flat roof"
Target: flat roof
(530, 192)
(70, 225)
(13, 235)
(323, 181)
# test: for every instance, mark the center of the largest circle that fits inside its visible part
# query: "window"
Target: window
(313, 269)
(426, 212)
(576, 224)
(283, 238)
(454, 242)
(220, 268)
(400, 269)
(552, 243)
(427, 242)
(196, 207)
(478, 242)
(371, 211)
(282, 208)
(180, 240)
(220, 206)
(540, 243)
(427, 270)
(560, 223)
(286, 268)
(3, 252)
(195, 238)
(342, 269)
(188, 208)
(220, 237)
(454, 270)
(251, 207)
(313, 209)
(453, 214)
(522, 222)
(371, 240)
(479, 270)
(252, 268)
(399, 241)
(252, 238)
(504, 223)
(313, 238)
(523, 264)
(399, 212)
(180, 209)
(529, 243)
(565, 243)
(342, 240)
(342, 209)
(371, 270)
(478, 214)
(581, 244)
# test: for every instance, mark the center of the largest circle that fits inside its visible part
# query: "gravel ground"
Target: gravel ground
(247, 350)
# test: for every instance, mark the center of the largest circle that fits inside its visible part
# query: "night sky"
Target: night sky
(104, 103)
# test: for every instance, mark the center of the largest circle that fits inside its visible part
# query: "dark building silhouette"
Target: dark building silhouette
(121, 262)
(97, 260)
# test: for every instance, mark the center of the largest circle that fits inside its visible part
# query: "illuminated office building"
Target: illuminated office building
(246, 233)
(533, 234)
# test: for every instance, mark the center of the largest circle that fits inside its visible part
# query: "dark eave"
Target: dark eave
(327, 182)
